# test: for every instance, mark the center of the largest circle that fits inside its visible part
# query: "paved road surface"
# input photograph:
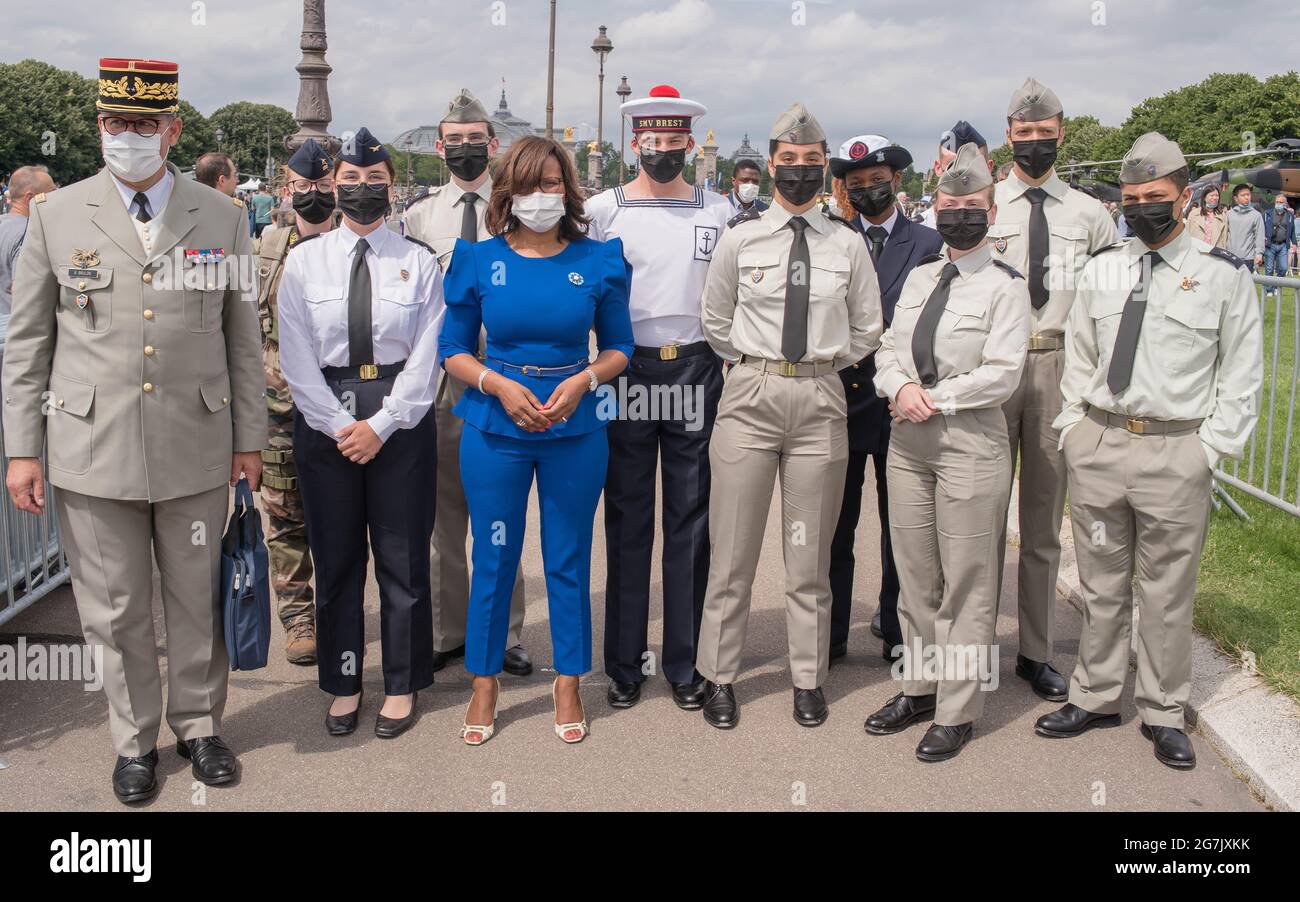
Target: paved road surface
(54, 736)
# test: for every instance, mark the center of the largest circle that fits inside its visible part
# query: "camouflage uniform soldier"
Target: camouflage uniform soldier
(311, 187)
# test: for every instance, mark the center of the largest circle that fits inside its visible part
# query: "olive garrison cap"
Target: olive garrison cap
(1034, 102)
(465, 107)
(1153, 156)
(797, 126)
(967, 174)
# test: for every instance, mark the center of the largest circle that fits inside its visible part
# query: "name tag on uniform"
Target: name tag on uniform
(83, 274)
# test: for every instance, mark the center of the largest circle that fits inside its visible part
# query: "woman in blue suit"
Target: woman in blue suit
(538, 288)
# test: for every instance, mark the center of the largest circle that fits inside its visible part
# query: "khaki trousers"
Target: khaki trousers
(1140, 508)
(448, 563)
(111, 548)
(770, 427)
(1029, 414)
(949, 479)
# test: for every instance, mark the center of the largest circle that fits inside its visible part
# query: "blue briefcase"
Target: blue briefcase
(245, 585)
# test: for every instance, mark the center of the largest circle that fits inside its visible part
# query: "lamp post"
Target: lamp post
(624, 91)
(550, 80)
(313, 113)
(410, 143)
(269, 164)
(602, 46)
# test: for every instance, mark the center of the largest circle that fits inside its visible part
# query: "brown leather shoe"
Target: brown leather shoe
(300, 643)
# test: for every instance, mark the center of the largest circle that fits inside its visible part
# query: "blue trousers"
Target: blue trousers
(1275, 260)
(497, 473)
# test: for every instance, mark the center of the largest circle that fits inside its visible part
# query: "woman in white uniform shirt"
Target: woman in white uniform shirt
(953, 354)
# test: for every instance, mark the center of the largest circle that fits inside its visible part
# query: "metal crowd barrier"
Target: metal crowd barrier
(34, 563)
(1268, 471)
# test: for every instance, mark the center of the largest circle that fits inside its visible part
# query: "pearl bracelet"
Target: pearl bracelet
(591, 374)
(481, 377)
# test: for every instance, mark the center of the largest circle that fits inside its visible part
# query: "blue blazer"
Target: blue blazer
(868, 413)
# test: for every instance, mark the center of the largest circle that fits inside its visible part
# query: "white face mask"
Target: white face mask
(747, 192)
(539, 211)
(131, 157)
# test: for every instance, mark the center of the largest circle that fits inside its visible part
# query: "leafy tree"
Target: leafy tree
(196, 137)
(425, 169)
(245, 126)
(47, 115)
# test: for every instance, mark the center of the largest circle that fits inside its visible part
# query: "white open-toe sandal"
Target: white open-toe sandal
(562, 728)
(484, 731)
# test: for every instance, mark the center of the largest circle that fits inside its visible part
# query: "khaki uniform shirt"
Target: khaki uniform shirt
(981, 341)
(435, 219)
(1199, 353)
(1079, 227)
(145, 368)
(743, 308)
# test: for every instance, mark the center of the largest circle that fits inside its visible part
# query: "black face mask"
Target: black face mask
(872, 200)
(1036, 158)
(364, 204)
(313, 206)
(962, 229)
(799, 184)
(1152, 223)
(664, 166)
(466, 161)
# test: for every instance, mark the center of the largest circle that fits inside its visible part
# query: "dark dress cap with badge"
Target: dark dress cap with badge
(138, 86)
(363, 150)
(963, 133)
(310, 161)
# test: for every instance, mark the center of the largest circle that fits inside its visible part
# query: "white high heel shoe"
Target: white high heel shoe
(561, 728)
(484, 731)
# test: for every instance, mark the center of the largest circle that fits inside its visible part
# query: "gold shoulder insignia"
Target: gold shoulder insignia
(237, 202)
(39, 199)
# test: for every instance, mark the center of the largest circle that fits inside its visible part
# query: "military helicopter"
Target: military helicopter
(1100, 177)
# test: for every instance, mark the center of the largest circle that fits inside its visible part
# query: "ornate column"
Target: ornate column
(313, 113)
(706, 165)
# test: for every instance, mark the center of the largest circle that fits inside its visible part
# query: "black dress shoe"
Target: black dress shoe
(391, 728)
(211, 760)
(899, 713)
(1072, 720)
(344, 724)
(134, 779)
(810, 708)
(1173, 747)
(1043, 679)
(876, 629)
(442, 658)
(941, 743)
(887, 652)
(689, 696)
(517, 662)
(623, 695)
(720, 708)
(839, 650)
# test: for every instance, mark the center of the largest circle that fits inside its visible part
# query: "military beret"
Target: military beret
(967, 174)
(797, 126)
(1152, 156)
(963, 133)
(310, 161)
(868, 150)
(465, 107)
(1034, 102)
(364, 149)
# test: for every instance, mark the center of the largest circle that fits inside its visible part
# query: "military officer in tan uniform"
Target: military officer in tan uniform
(1163, 369)
(952, 357)
(791, 299)
(466, 141)
(309, 183)
(134, 349)
(1047, 231)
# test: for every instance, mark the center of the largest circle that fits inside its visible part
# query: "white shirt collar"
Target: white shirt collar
(158, 195)
(350, 238)
(887, 225)
(455, 192)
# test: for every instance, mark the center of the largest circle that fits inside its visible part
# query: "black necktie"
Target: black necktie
(794, 327)
(361, 348)
(142, 207)
(1120, 373)
(469, 217)
(876, 236)
(927, 325)
(1039, 248)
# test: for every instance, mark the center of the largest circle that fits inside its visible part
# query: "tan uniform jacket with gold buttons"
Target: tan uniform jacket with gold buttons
(144, 379)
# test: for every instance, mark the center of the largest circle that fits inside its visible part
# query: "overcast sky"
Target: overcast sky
(905, 69)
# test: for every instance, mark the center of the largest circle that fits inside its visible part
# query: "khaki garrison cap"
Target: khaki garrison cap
(1153, 156)
(466, 108)
(797, 126)
(1034, 102)
(967, 174)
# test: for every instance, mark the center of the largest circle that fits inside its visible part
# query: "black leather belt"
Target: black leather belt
(366, 372)
(673, 352)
